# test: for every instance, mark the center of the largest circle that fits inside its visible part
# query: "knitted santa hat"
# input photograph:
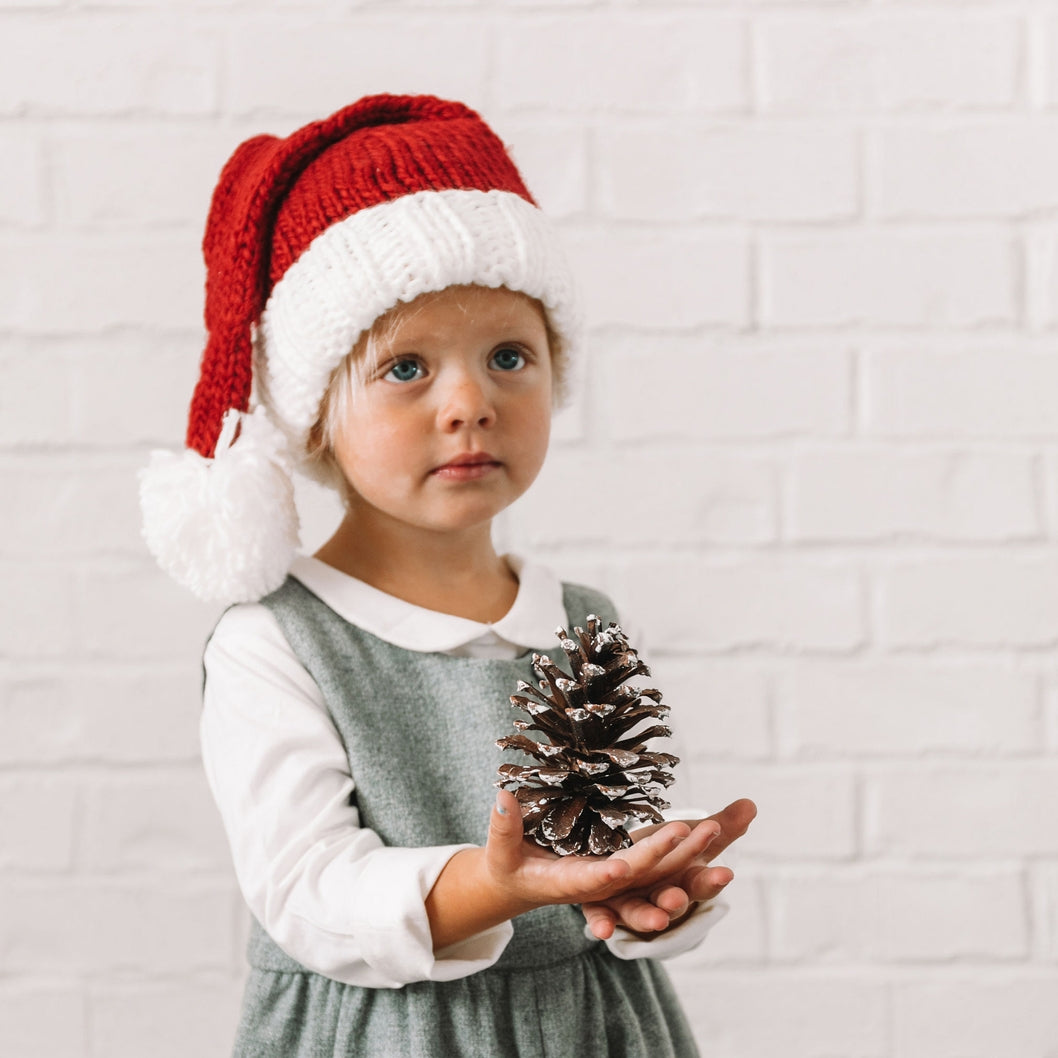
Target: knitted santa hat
(309, 240)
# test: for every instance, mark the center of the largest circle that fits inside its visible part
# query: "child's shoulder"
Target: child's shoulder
(581, 600)
(246, 629)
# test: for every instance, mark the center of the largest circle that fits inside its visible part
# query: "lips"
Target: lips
(467, 465)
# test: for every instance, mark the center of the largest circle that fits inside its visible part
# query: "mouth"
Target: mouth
(467, 466)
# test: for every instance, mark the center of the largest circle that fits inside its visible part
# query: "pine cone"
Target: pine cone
(592, 776)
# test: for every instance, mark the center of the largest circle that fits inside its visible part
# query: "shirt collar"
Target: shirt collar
(531, 622)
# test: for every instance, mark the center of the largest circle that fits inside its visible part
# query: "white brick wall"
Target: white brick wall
(814, 453)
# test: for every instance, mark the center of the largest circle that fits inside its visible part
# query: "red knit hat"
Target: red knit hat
(309, 240)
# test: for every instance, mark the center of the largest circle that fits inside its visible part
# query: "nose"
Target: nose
(466, 402)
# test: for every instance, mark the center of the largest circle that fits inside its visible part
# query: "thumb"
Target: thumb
(504, 842)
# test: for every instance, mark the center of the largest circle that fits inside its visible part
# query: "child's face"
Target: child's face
(451, 423)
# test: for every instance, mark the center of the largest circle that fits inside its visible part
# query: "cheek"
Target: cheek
(536, 429)
(368, 445)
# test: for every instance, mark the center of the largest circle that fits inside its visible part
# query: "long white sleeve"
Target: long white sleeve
(327, 890)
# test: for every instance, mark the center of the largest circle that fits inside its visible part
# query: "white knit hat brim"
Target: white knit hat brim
(360, 267)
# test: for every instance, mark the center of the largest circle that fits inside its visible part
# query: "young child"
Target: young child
(388, 310)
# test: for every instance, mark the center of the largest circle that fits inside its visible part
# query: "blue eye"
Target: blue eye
(405, 371)
(508, 359)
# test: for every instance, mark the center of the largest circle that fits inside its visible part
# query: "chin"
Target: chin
(470, 517)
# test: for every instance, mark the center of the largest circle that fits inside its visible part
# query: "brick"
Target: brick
(1041, 278)
(37, 820)
(21, 180)
(133, 388)
(138, 175)
(36, 619)
(1045, 909)
(677, 173)
(128, 610)
(739, 939)
(70, 506)
(889, 279)
(966, 811)
(804, 813)
(166, 823)
(1048, 36)
(975, 393)
(820, 61)
(1004, 600)
(683, 496)
(42, 1021)
(166, 1020)
(623, 61)
(102, 927)
(553, 159)
(873, 494)
(207, 4)
(132, 282)
(88, 65)
(1050, 719)
(756, 1013)
(120, 716)
(719, 709)
(265, 67)
(675, 387)
(35, 393)
(661, 280)
(986, 169)
(906, 708)
(868, 915)
(695, 605)
(967, 1015)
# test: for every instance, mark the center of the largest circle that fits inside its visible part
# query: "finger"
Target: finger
(734, 821)
(704, 835)
(677, 852)
(503, 847)
(707, 883)
(645, 855)
(638, 914)
(601, 920)
(586, 879)
(671, 899)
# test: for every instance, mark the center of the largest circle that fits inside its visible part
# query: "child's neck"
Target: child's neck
(458, 574)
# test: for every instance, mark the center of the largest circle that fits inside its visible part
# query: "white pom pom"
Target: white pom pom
(226, 527)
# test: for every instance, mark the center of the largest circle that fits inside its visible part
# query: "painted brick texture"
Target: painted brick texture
(812, 451)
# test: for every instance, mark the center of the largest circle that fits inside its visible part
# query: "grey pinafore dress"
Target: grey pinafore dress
(420, 731)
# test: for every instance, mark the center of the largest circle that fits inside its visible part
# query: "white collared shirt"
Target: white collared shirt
(326, 889)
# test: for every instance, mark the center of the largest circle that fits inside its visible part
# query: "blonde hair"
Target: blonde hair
(349, 377)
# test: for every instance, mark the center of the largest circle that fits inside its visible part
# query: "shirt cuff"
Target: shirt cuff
(391, 924)
(674, 941)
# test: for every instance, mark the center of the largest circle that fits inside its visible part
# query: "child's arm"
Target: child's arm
(325, 888)
(480, 888)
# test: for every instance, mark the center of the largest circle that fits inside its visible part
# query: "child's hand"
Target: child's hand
(536, 876)
(678, 882)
